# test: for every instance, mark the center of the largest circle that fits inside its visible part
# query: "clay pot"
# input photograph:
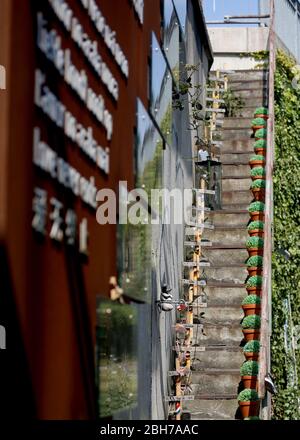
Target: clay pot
(257, 215)
(251, 334)
(249, 382)
(253, 271)
(257, 163)
(256, 233)
(251, 356)
(260, 151)
(257, 127)
(254, 291)
(265, 117)
(249, 409)
(251, 309)
(255, 251)
(259, 194)
(258, 177)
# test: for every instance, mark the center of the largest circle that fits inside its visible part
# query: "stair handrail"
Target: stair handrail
(266, 300)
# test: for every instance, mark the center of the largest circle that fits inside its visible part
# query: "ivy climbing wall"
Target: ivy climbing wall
(286, 266)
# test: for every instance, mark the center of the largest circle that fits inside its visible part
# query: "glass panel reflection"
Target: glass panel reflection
(171, 37)
(181, 9)
(116, 357)
(161, 91)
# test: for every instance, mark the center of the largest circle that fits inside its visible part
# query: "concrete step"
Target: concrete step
(216, 334)
(233, 158)
(245, 145)
(237, 198)
(228, 236)
(260, 93)
(237, 123)
(258, 84)
(222, 313)
(225, 357)
(230, 217)
(248, 110)
(236, 274)
(225, 296)
(239, 183)
(235, 170)
(223, 256)
(248, 75)
(219, 382)
(212, 409)
(237, 133)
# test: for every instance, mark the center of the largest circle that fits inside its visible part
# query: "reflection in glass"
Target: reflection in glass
(135, 241)
(171, 37)
(161, 91)
(116, 357)
(181, 9)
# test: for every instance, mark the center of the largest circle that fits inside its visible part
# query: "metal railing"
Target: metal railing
(266, 304)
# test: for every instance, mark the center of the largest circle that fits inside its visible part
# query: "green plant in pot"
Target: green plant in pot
(255, 265)
(249, 372)
(258, 188)
(256, 210)
(258, 173)
(256, 228)
(257, 161)
(260, 147)
(258, 123)
(248, 402)
(261, 134)
(251, 327)
(251, 350)
(251, 305)
(254, 284)
(255, 246)
(261, 112)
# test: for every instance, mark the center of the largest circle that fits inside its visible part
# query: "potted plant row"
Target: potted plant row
(251, 327)
(249, 372)
(256, 210)
(251, 305)
(248, 402)
(256, 228)
(254, 285)
(258, 188)
(251, 350)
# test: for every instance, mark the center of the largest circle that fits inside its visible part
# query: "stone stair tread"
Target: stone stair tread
(230, 211)
(213, 283)
(225, 246)
(242, 177)
(234, 371)
(228, 396)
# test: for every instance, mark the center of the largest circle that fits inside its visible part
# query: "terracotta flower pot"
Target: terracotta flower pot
(260, 151)
(249, 382)
(255, 251)
(251, 334)
(253, 271)
(251, 309)
(265, 117)
(251, 356)
(258, 194)
(258, 177)
(254, 290)
(257, 127)
(257, 215)
(257, 163)
(256, 233)
(249, 409)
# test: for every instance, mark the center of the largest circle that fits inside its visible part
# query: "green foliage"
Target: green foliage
(252, 418)
(257, 224)
(252, 347)
(249, 368)
(258, 183)
(248, 395)
(286, 274)
(261, 134)
(261, 143)
(251, 322)
(258, 171)
(255, 261)
(255, 281)
(255, 242)
(233, 103)
(257, 157)
(251, 299)
(256, 207)
(257, 122)
(261, 111)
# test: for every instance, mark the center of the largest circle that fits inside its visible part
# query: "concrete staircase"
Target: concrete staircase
(216, 376)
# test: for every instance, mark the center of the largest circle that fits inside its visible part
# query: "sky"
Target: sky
(217, 9)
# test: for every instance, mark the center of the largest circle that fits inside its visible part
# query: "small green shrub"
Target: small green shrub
(251, 322)
(256, 207)
(251, 299)
(261, 134)
(257, 157)
(261, 111)
(258, 183)
(249, 368)
(252, 347)
(258, 171)
(261, 143)
(257, 224)
(255, 261)
(248, 395)
(255, 242)
(255, 281)
(259, 122)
